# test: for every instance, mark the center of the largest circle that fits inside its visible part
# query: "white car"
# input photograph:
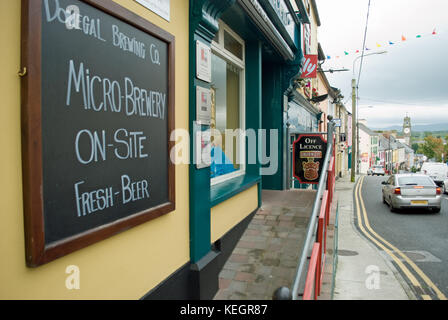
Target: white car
(405, 191)
(438, 172)
(376, 170)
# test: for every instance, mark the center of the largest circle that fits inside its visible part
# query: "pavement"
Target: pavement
(267, 254)
(363, 273)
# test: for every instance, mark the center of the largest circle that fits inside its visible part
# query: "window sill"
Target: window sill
(227, 189)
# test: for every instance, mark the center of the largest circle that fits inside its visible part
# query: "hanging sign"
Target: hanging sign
(308, 157)
(309, 66)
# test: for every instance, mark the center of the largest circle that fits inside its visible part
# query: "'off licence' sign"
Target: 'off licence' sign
(309, 154)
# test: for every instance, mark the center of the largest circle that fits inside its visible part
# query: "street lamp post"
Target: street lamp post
(355, 151)
(354, 158)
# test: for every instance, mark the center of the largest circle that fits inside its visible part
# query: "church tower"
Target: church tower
(407, 130)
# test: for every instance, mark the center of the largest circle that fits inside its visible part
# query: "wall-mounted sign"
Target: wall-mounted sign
(203, 61)
(159, 7)
(337, 122)
(306, 38)
(308, 157)
(96, 123)
(203, 105)
(309, 66)
(365, 157)
(299, 118)
(281, 10)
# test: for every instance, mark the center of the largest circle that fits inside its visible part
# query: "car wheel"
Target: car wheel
(384, 200)
(436, 210)
(391, 206)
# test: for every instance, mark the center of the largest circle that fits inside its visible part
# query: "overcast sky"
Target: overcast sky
(412, 77)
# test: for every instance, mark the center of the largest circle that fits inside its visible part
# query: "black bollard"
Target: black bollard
(282, 293)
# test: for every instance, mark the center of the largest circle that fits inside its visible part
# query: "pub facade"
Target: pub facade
(101, 100)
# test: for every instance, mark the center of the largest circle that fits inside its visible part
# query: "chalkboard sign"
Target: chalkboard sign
(309, 154)
(97, 111)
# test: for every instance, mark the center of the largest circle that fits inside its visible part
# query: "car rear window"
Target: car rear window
(418, 181)
(439, 166)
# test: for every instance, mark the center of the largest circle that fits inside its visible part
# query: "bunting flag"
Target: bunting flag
(390, 43)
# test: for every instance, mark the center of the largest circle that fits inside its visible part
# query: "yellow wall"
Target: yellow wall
(125, 266)
(323, 106)
(229, 213)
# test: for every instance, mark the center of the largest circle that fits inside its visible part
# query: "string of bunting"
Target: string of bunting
(378, 45)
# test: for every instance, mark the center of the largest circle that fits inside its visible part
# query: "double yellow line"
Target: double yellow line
(391, 250)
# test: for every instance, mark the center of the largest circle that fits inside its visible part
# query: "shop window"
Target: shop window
(233, 45)
(227, 96)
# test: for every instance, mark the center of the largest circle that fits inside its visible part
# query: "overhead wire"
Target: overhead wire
(363, 45)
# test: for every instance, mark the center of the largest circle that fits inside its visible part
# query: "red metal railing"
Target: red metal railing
(313, 283)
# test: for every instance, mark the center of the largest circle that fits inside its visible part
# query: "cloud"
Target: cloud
(411, 77)
(386, 115)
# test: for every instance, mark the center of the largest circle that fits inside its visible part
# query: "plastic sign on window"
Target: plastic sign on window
(203, 62)
(203, 105)
(203, 146)
(309, 66)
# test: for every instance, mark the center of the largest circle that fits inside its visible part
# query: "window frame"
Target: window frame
(219, 50)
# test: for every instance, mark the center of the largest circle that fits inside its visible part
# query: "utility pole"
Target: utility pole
(354, 138)
(390, 157)
(354, 120)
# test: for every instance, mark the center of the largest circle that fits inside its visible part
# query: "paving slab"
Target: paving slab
(358, 259)
(267, 254)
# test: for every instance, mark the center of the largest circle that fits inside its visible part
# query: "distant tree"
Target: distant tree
(445, 150)
(432, 148)
(427, 133)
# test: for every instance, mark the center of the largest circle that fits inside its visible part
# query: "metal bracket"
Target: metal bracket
(22, 72)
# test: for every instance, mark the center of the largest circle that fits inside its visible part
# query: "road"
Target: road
(418, 235)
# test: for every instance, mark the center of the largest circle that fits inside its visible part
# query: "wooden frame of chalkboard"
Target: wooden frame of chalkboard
(38, 251)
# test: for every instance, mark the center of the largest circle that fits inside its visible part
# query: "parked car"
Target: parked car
(376, 170)
(411, 191)
(438, 172)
